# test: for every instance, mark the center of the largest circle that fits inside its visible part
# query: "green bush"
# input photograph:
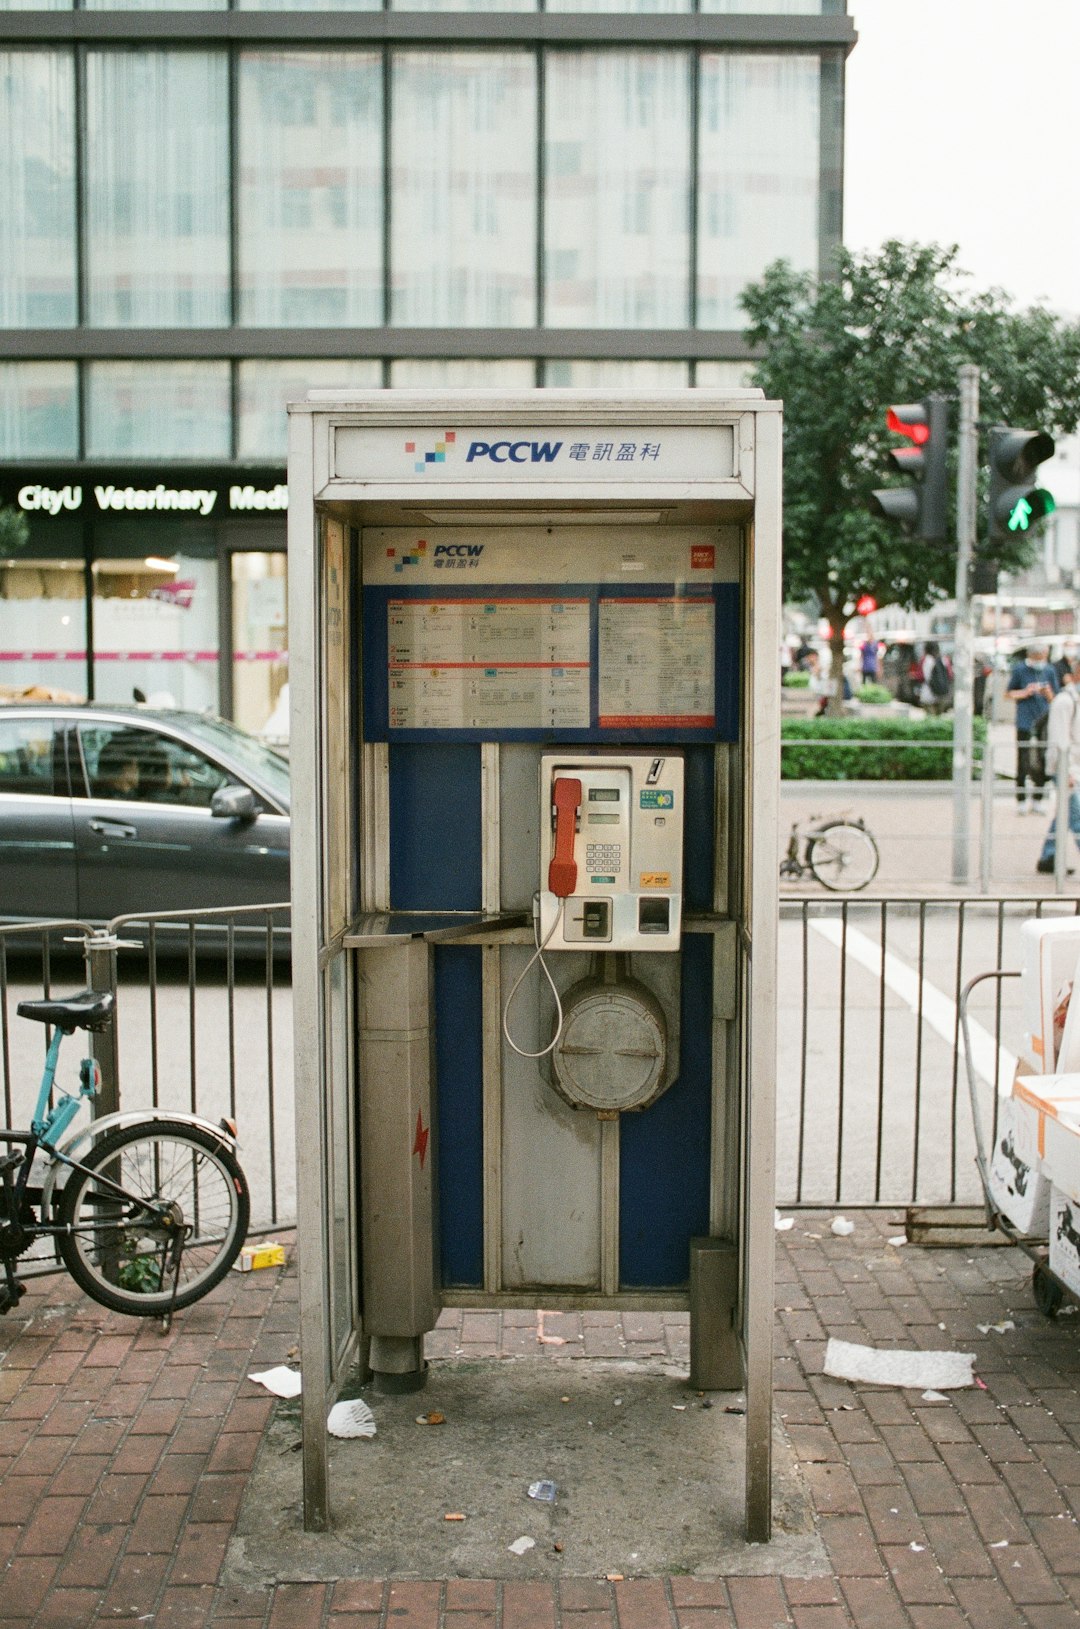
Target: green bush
(830, 753)
(795, 680)
(875, 695)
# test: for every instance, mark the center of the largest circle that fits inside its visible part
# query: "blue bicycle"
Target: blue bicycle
(153, 1215)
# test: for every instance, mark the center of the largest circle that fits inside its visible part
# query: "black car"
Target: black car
(106, 811)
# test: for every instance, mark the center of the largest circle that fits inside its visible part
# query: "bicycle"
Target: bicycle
(155, 1213)
(841, 854)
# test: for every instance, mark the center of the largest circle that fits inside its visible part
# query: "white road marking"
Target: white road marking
(938, 1010)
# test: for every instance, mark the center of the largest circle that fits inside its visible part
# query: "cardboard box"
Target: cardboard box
(1050, 951)
(267, 1253)
(1055, 1100)
(1061, 1149)
(1065, 1239)
(1019, 1185)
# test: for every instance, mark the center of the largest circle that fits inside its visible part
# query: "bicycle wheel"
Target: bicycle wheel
(173, 1177)
(843, 857)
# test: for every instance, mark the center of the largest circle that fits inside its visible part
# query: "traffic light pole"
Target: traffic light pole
(964, 648)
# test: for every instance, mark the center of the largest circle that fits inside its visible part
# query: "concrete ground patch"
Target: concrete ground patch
(649, 1479)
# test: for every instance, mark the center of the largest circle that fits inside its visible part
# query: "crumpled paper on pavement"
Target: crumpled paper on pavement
(883, 1366)
(281, 1381)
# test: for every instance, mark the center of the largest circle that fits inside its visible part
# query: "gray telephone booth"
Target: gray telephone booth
(534, 668)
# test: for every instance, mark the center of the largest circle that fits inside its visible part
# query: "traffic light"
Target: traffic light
(922, 508)
(1016, 502)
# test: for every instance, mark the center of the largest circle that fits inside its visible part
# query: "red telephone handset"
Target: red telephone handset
(562, 871)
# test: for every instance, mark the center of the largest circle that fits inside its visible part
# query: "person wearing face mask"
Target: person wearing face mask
(1063, 735)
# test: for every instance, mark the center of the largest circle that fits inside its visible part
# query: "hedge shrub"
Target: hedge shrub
(929, 760)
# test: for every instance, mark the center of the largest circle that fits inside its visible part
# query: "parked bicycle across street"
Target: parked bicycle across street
(838, 852)
(149, 1218)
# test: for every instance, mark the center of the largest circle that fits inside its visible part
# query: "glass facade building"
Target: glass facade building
(207, 209)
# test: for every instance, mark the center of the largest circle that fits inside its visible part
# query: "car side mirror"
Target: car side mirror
(232, 802)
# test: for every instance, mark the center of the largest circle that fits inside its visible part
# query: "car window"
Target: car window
(26, 756)
(138, 765)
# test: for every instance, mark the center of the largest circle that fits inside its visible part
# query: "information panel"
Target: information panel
(492, 664)
(656, 667)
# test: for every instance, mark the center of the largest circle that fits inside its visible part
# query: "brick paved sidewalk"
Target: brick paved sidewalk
(124, 1456)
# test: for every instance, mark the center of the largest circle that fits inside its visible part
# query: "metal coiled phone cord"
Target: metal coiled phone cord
(537, 955)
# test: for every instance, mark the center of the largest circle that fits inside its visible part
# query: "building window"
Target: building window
(265, 387)
(617, 207)
(759, 167)
(462, 373)
(43, 626)
(622, 5)
(311, 210)
(157, 189)
(463, 182)
(39, 410)
(158, 410)
(37, 177)
(155, 613)
(616, 374)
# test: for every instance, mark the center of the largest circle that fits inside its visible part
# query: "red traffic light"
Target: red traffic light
(911, 420)
(865, 604)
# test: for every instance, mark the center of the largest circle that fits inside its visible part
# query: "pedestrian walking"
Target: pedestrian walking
(934, 685)
(1063, 735)
(1032, 686)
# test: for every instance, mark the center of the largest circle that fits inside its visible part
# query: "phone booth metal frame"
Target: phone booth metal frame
(364, 1016)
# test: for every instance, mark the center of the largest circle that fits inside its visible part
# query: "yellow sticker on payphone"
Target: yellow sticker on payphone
(655, 879)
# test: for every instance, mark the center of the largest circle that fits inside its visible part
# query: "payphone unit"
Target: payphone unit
(611, 851)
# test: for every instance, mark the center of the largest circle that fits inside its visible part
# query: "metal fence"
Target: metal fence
(872, 1097)
(203, 1023)
(873, 1105)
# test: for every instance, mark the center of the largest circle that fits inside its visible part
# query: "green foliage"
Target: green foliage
(830, 753)
(874, 695)
(884, 328)
(794, 680)
(14, 530)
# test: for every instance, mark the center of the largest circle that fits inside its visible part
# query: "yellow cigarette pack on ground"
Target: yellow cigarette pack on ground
(267, 1253)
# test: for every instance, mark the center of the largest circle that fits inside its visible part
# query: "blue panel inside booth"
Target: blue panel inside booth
(459, 1123)
(435, 827)
(665, 1152)
(699, 837)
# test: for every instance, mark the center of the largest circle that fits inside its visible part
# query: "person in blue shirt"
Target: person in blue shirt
(1032, 685)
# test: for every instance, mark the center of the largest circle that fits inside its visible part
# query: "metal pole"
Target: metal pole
(1061, 818)
(101, 948)
(963, 648)
(987, 809)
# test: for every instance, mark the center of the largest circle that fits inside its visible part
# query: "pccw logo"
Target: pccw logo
(423, 459)
(458, 556)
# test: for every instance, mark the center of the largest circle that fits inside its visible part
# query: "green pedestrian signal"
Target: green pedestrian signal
(1016, 501)
(1031, 508)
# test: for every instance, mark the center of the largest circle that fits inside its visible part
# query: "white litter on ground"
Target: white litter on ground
(999, 1329)
(351, 1419)
(522, 1544)
(281, 1381)
(934, 1397)
(784, 1222)
(842, 1227)
(921, 1371)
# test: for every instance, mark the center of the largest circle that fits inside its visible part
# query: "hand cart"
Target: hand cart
(1047, 1288)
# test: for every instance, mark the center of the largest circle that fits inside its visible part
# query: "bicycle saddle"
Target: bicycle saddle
(90, 1009)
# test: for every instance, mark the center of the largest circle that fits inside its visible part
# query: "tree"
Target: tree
(888, 327)
(14, 530)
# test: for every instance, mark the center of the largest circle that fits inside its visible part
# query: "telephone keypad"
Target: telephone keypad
(603, 856)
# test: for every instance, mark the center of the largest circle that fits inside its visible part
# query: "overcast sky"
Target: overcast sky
(962, 127)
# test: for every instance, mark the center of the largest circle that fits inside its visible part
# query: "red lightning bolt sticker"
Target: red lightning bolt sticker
(422, 1134)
